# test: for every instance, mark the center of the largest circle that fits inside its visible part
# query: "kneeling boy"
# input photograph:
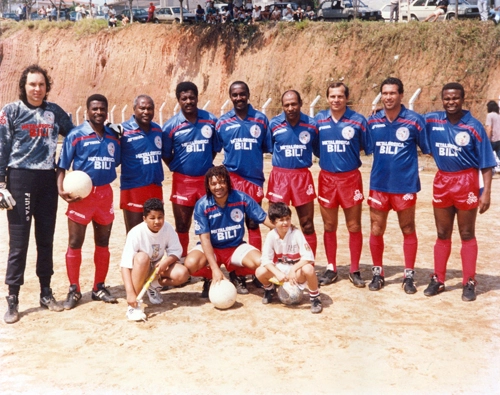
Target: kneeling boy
(286, 255)
(151, 244)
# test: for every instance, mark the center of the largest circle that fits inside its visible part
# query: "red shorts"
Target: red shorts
(251, 189)
(459, 189)
(385, 201)
(295, 185)
(98, 206)
(133, 199)
(340, 189)
(187, 190)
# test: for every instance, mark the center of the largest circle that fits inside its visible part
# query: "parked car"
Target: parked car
(421, 9)
(140, 15)
(338, 10)
(10, 15)
(386, 12)
(35, 16)
(173, 15)
(72, 16)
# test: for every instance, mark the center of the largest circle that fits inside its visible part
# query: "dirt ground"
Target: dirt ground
(363, 342)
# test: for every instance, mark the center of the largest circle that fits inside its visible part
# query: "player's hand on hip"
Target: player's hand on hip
(6, 199)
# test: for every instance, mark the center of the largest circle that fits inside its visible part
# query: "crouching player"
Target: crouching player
(94, 149)
(151, 244)
(286, 255)
(219, 220)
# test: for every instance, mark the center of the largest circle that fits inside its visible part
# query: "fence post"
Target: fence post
(222, 109)
(161, 112)
(313, 104)
(123, 112)
(413, 99)
(206, 105)
(266, 104)
(112, 115)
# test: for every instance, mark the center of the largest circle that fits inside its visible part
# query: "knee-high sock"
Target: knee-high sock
(330, 241)
(442, 251)
(410, 246)
(377, 250)
(255, 238)
(73, 263)
(468, 253)
(101, 261)
(312, 240)
(355, 247)
(184, 239)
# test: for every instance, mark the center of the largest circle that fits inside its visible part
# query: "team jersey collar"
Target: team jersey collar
(402, 114)
(282, 119)
(347, 114)
(211, 200)
(88, 130)
(132, 124)
(183, 119)
(250, 113)
(43, 106)
(464, 119)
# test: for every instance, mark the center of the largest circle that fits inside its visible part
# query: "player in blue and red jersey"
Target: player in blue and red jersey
(244, 135)
(293, 135)
(342, 136)
(460, 147)
(189, 147)
(29, 130)
(142, 168)
(219, 221)
(95, 150)
(394, 135)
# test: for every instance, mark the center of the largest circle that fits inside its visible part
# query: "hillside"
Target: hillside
(152, 59)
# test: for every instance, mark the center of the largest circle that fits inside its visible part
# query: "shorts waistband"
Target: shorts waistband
(342, 174)
(455, 173)
(194, 178)
(283, 170)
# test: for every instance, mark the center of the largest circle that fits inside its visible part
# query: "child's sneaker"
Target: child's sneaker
(268, 295)
(154, 295)
(316, 306)
(135, 314)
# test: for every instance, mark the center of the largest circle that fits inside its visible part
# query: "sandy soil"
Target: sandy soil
(363, 342)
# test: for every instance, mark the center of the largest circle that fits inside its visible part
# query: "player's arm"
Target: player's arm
(208, 250)
(489, 130)
(129, 286)
(485, 198)
(60, 174)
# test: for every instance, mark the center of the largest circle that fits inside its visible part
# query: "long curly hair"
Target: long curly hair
(34, 68)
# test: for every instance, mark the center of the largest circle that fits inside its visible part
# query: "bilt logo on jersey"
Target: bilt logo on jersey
(111, 149)
(206, 131)
(255, 131)
(348, 132)
(158, 142)
(304, 137)
(462, 139)
(237, 215)
(402, 133)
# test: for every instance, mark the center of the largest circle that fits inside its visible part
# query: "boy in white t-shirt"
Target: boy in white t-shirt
(286, 255)
(151, 244)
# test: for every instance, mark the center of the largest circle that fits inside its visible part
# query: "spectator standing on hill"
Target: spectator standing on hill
(482, 5)
(293, 136)
(151, 13)
(394, 135)
(493, 127)
(142, 170)
(29, 130)
(42, 12)
(112, 11)
(105, 11)
(189, 147)
(394, 11)
(460, 148)
(343, 133)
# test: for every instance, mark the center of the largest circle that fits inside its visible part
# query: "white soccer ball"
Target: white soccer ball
(77, 183)
(289, 294)
(222, 294)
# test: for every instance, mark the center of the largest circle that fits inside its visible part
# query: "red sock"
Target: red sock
(410, 246)
(101, 261)
(355, 247)
(255, 238)
(330, 241)
(442, 251)
(377, 250)
(244, 271)
(205, 272)
(73, 263)
(312, 240)
(468, 253)
(184, 239)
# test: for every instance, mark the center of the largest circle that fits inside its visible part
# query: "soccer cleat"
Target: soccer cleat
(469, 291)
(103, 294)
(356, 280)
(73, 297)
(434, 287)
(239, 282)
(268, 295)
(408, 282)
(316, 306)
(12, 313)
(256, 282)
(206, 287)
(48, 301)
(135, 314)
(378, 280)
(328, 277)
(154, 295)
